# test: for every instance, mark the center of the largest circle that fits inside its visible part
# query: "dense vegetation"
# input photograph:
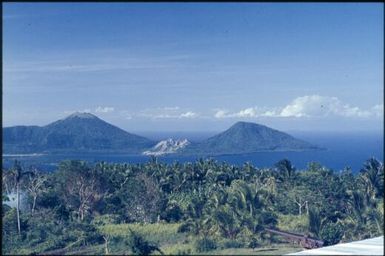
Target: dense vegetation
(185, 208)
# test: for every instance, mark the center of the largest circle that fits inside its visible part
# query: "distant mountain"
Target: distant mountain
(168, 146)
(244, 137)
(82, 132)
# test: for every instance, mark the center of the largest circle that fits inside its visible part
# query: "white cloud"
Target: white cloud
(221, 114)
(318, 106)
(306, 106)
(270, 113)
(248, 112)
(188, 114)
(252, 112)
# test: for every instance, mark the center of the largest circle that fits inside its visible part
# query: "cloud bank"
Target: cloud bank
(306, 107)
(309, 106)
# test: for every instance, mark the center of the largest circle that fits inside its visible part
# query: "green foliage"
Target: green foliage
(253, 243)
(156, 232)
(83, 206)
(228, 243)
(331, 233)
(140, 246)
(105, 219)
(10, 237)
(315, 222)
(295, 223)
(205, 244)
(172, 213)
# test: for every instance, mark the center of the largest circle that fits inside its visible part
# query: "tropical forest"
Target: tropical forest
(202, 207)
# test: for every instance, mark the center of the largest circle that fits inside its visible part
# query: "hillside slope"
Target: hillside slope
(77, 132)
(244, 137)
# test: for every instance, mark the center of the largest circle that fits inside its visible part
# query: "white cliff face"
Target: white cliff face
(168, 146)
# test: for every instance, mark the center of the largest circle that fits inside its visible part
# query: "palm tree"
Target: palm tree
(315, 222)
(286, 170)
(372, 176)
(248, 171)
(243, 194)
(225, 220)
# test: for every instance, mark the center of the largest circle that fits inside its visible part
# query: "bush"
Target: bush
(185, 227)
(268, 218)
(253, 243)
(331, 233)
(232, 244)
(205, 244)
(173, 213)
(139, 245)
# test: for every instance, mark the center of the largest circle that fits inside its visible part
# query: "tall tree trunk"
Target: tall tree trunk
(307, 207)
(299, 207)
(106, 245)
(18, 208)
(34, 204)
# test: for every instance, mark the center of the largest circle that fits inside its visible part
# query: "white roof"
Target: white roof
(372, 246)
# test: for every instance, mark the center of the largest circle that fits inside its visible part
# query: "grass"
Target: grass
(171, 242)
(293, 223)
(161, 233)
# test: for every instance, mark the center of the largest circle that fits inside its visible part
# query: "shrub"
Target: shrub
(172, 213)
(331, 233)
(253, 243)
(139, 245)
(232, 244)
(185, 227)
(205, 244)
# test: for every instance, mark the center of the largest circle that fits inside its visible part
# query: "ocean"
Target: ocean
(342, 150)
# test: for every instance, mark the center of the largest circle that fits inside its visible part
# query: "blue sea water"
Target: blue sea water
(342, 150)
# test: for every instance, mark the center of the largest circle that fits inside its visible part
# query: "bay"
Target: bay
(342, 150)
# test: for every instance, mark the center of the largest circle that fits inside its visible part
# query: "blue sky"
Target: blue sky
(195, 66)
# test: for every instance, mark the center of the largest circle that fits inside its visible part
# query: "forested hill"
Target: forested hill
(244, 137)
(77, 132)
